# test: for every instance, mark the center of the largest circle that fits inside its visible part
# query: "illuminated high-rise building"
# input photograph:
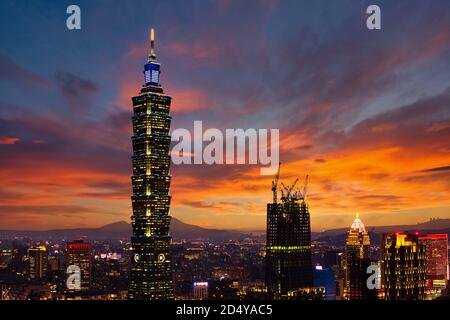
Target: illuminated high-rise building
(151, 271)
(37, 259)
(358, 240)
(404, 267)
(357, 260)
(78, 253)
(288, 245)
(436, 253)
(200, 290)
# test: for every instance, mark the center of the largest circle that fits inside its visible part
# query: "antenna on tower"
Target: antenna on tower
(275, 183)
(152, 55)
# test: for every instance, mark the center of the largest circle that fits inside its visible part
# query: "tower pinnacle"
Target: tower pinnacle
(152, 55)
(152, 68)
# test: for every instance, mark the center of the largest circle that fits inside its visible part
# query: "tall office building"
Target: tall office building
(357, 260)
(288, 245)
(324, 278)
(37, 259)
(78, 253)
(332, 258)
(151, 272)
(358, 241)
(404, 267)
(200, 290)
(436, 253)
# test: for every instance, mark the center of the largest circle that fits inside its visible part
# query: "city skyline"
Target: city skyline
(348, 102)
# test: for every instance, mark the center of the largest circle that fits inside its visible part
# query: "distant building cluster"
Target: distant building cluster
(39, 271)
(410, 266)
(404, 266)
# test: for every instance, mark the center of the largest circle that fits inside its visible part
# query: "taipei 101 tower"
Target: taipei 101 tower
(151, 270)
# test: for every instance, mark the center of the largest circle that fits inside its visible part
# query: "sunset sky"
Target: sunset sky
(365, 113)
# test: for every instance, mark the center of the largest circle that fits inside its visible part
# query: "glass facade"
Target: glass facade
(357, 260)
(288, 251)
(404, 267)
(38, 259)
(436, 251)
(79, 254)
(151, 270)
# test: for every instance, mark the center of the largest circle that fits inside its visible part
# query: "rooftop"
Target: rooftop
(358, 225)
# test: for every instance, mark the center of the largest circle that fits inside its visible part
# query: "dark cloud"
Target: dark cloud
(438, 169)
(398, 128)
(70, 147)
(77, 91)
(11, 71)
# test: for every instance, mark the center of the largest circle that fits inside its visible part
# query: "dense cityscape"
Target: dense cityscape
(234, 269)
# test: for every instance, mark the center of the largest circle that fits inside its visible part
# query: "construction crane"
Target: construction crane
(284, 194)
(292, 187)
(301, 194)
(286, 191)
(305, 187)
(275, 184)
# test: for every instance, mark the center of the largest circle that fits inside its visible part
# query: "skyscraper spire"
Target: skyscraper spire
(152, 55)
(152, 68)
(358, 224)
(151, 266)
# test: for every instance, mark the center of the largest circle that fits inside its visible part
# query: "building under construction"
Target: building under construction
(288, 247)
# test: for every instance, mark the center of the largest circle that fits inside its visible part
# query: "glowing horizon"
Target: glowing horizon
(364, 114)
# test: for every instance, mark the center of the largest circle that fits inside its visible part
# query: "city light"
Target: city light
(239, 159)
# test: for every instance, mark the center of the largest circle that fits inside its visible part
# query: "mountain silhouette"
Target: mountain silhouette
(122, 230)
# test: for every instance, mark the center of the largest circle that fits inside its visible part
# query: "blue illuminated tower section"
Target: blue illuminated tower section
(151, 270)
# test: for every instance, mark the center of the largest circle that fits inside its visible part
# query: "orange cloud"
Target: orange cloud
(8, 140)
(188, 99)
